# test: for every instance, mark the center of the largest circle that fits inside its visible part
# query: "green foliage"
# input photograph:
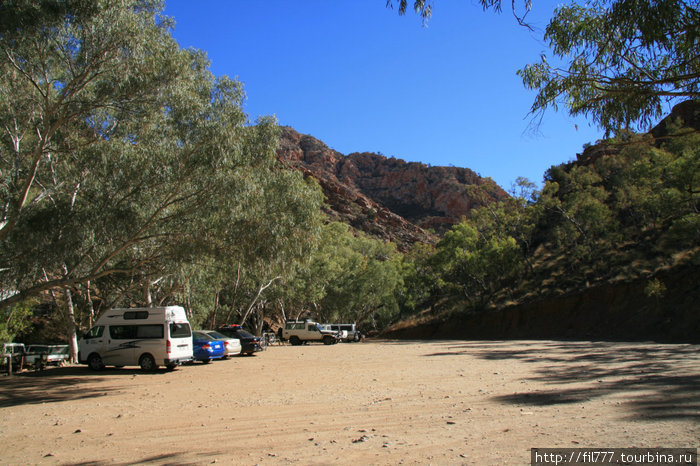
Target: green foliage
(476, 262)
(655, 288)
(630, 208)
(514, 217)
(265, 242)
(87, 150)
(126, 165)
(576, 201)
(478, 258)
(638, 193)
(421, 280)
(350, 277)
(615, 61)
(424, 8)
(15, 320)
(626, 58)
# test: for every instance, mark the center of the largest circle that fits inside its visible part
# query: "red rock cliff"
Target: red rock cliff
(386, 197)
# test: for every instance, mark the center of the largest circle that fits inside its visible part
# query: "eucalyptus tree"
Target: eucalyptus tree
(350, 277)
(424, 8)
(576, 202)
(83, 88)
(617, 62)
(274, 229)
(420, 280)
(121, 156)
(474, 263)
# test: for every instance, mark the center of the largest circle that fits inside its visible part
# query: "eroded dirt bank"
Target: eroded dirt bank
(381, 402)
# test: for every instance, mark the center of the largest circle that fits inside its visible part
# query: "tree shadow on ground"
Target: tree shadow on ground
(58, 384)
(656, 381)
(179, 458)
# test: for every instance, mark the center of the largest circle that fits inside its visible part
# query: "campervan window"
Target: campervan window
(149, 331)
(122, 332)
(95, 332)
(131, 315)
(180, 330)
(130, 332)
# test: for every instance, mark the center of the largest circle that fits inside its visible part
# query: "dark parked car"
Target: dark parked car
(249, 343)
(206, 348)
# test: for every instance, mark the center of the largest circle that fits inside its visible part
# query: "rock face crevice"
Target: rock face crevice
(386, 197)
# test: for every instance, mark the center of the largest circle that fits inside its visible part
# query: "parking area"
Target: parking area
(443, 402)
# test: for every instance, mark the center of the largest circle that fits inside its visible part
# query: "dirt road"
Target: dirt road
(380, 402)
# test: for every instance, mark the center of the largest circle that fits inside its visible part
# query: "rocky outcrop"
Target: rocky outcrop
(387, 197)
(344, 203)
(684, 115)
(431, 197)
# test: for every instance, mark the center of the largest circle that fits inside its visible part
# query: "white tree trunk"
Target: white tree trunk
(255, 299)
(72, 334)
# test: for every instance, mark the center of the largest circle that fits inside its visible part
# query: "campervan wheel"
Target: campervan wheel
(147, 363)
(95, 362)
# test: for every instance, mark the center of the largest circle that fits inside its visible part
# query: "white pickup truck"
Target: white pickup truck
(300, 332)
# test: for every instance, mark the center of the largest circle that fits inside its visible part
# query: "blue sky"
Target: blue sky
(362, 78)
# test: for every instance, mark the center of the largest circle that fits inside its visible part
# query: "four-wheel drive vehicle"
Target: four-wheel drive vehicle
(148, 337)
(47, 354)
(342, 334)
(249, 343)
(299, 332)
(348, 331)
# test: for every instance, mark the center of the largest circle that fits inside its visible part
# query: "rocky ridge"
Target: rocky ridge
(388, 198)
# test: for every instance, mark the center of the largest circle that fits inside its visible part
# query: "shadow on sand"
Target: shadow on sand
(59, 384)
(168, 458)
(657, 381)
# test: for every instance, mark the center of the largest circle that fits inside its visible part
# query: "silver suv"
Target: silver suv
(348, 331)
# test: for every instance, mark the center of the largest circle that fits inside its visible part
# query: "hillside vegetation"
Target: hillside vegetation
(608, 248)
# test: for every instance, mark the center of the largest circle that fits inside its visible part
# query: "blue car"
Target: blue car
(206, 347)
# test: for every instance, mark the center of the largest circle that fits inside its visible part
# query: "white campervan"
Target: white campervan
(148, 337)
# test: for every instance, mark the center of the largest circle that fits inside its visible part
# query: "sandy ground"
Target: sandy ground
(377, 402)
